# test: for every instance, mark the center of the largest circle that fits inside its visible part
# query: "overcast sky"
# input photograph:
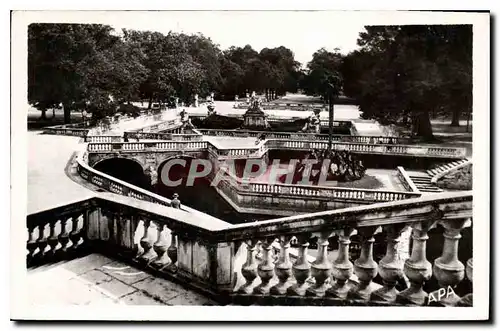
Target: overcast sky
(302, 32)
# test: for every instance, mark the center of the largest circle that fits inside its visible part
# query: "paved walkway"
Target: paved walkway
(48, 184)
(98, 280)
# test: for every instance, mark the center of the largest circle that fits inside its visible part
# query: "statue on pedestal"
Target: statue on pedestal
(196, 100)
(211, 108)
(186, 121)
(248, 97)
(176, 102)
(313, 124)
(212, 96)
(254, 117)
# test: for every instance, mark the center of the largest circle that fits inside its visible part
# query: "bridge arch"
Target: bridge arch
(129, 170)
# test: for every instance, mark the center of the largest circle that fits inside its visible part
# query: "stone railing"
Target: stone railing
(130, 135)
(380, 149)
(103, 139)
(279, 144)
(283, 282)
(221, 259)
(327, 193)
(171, 126)
(76, 130)
(159, 146)
(405, 179)
(442, 174)
(305, 136)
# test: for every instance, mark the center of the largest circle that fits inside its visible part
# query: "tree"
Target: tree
(403, 74)
(322, 69)
(80, 66)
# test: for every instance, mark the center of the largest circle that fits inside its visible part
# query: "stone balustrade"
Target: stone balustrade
(305, 136)
(313, 191)
(103, 139)
(281, 144)
(146, 146)
(236, 263)
(76, 130)
(405, 179)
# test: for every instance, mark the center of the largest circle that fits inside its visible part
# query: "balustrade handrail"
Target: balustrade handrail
(276, 143)
(406, 179)
(448, 206)
(441, 174)
(242, 182)
(294, 135)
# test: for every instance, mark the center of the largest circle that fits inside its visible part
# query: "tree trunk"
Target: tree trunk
(267, 95)
(455, 117)
(67, 114)
(423, 126)
(330, 123)
(150, 102)
(44, 114)
(53, 113)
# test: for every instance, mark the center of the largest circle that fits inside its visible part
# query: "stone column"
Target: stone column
(365, 267)
(342, 267)
(417, 268)
(301, 268)
(448, 270)
(284, 267)
(249, 269)
(321, 268)
(265, 269)
(390, 267)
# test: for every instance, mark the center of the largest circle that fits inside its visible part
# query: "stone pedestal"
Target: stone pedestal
(255, 118)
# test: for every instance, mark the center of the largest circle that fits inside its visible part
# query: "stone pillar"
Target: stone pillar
(283, 267)
(390, 267)
(321, 268)
(249, 269)
(301, 268)
(448, 270)
(365, 267)
(265, 269)
(417, 268)
(342, 267)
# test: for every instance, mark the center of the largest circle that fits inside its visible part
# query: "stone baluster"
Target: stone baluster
(390, 267)
(146, 244)
(160, 247)
(265, 269)
(75, 234)
(31, 245)
(64, 236)
(321, 268)
(417, 268)
(301, 268)
(284, 267)
(52, 240)
(448, 270)
(41, 242)
(365, 267)
(172, 251)
(342, 267)
(249, 269)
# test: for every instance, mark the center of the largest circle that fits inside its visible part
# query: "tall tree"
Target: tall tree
(81, 66)
(403, 74)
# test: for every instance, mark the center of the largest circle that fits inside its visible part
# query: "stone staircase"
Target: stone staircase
(445, 167)
(424, 184)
